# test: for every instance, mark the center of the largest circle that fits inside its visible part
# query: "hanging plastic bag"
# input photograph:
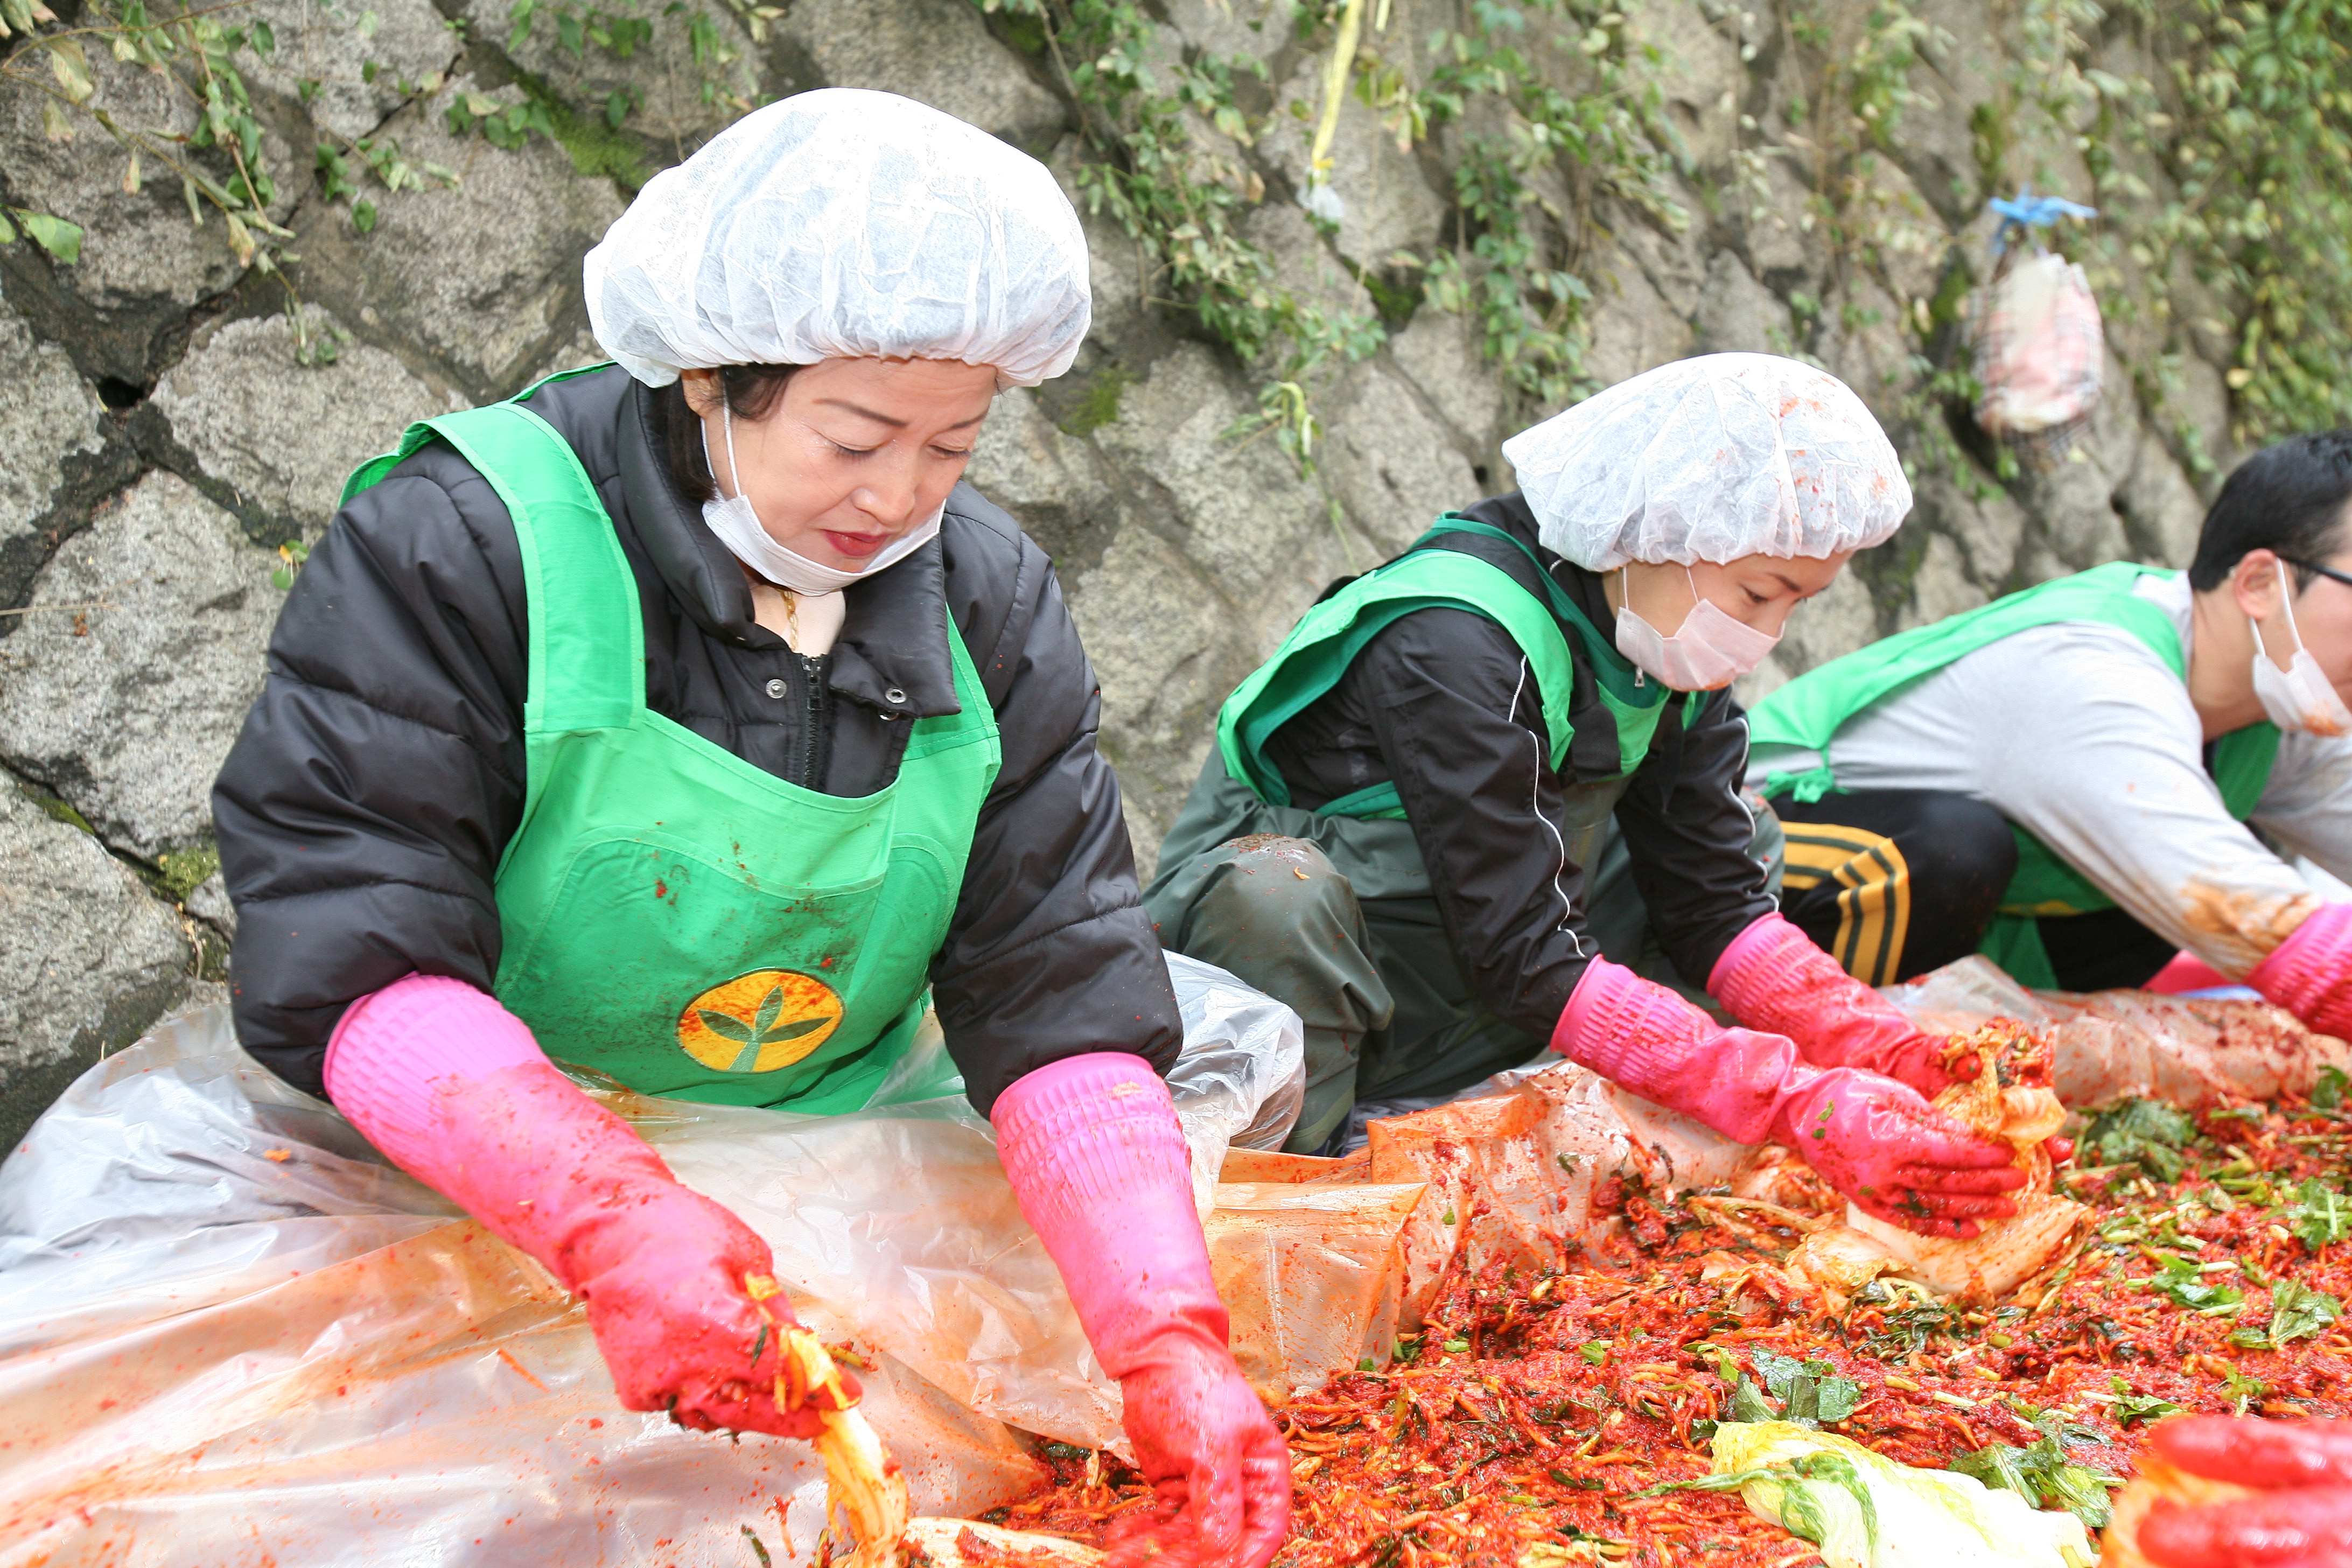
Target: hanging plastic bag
(2040, 351)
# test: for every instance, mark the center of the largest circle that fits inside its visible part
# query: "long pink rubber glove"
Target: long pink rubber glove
(453, 1090)
(1773, 978)
(2310, 973)
(1873, 1139)
(1097, 1159)
(2303, 1522)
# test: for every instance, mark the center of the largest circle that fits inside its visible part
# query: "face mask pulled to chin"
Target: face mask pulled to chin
(2299, 697)
(1709, 650)
(732, 518)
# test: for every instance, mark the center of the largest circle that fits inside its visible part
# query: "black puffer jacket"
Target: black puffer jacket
(364, 811)
(1441, 703)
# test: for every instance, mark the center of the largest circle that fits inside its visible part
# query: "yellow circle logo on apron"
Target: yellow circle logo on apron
(758, 1022)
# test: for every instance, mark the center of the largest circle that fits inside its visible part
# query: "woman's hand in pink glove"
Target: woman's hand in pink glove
(1872, 1138)
(2303, 1519)
(1097, 1157)
(662, 1269)
(1897, 1156)
(1773, 978)
(1203, 1441)
(453, 1089)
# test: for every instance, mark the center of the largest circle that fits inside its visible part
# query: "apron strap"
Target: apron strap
(582, 675)
(587, 632)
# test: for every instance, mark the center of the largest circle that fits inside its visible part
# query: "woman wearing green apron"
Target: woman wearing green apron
(1394, 832)
(686, 719)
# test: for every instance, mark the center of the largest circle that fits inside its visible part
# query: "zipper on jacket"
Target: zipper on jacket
(812, 728)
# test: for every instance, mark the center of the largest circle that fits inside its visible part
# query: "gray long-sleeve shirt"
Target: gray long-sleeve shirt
(2081, 734)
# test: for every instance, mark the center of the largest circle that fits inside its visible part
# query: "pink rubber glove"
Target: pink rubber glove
(1774, 979)
(1871, 1138)
(451, 1087)
(1097, 1159)
(2305, 1521)
(2310, 973)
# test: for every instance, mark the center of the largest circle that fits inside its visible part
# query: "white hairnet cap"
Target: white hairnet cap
(843, 224)
(1711, 460)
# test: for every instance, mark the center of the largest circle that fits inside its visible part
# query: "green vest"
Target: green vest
(671, 915)
(1812, 707)
(1327, 638)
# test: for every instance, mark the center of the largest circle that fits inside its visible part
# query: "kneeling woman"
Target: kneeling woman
(1393, 833)
(689, 719)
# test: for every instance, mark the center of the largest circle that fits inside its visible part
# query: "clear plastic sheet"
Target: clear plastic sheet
(1511, 1166)
(229, 1335)
(2116, 1045)
(1508, 1171)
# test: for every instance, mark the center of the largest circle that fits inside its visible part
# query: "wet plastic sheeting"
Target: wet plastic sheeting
(229, 1335)
(2117, 1044)
(1310, 1275)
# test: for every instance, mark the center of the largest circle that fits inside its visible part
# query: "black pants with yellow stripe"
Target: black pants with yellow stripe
(1894, 883)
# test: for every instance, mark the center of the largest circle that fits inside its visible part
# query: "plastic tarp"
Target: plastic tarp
(230, 1335)
(2135, 1045)
(1512, 1167)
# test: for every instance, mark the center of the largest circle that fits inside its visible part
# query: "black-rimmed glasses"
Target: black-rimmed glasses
(2329, 572)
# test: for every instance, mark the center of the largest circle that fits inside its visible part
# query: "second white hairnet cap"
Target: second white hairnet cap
(845, 223)
(1711, 460)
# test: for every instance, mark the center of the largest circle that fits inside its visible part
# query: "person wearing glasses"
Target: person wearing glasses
(2098, 781)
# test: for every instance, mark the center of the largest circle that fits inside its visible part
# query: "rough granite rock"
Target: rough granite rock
(1229, 544)
(126, 685)
(1698, 73)
(937, 51)
(1055, 483)
(1440, 354)
(91, 956)
(1387, 204)
(328, 42)
(672, 107)
(1636, 329)
(1388, 460)
(483, 277)
(140, 268)
(1738, 315)
(232, 400)
(47, 413)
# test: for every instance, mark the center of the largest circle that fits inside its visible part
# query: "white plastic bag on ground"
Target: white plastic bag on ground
(229, 1335)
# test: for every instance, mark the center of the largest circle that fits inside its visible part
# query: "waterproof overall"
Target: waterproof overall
(1810, 710)
(1330, 910)
(672, 916)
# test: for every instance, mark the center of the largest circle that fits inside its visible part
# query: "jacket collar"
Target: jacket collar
(892, 652)
(1512, 514)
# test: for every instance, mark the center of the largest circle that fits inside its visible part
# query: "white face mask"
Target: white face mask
(2299, 697)
(1710, 650)
(738, 528)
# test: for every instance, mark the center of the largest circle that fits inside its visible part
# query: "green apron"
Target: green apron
(673, 916)
(1811, 708)
(1439, 1038)
(1327, 638)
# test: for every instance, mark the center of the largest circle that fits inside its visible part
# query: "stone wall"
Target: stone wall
(159, 440)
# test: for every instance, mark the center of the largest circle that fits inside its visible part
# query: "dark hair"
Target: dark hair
(2288, 499)
(750, 390)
